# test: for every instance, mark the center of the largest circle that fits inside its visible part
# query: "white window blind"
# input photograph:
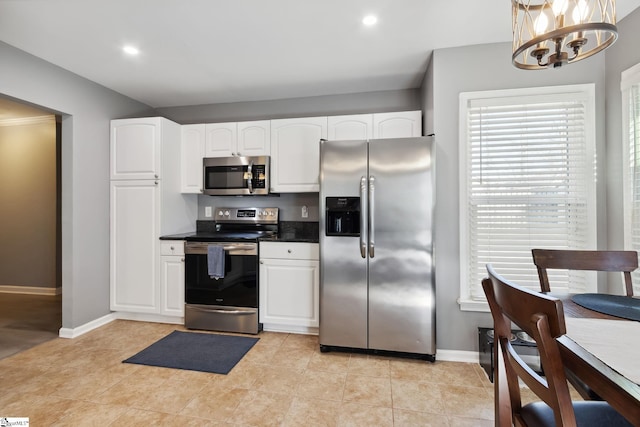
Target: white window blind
(527, 174)
(631, 137)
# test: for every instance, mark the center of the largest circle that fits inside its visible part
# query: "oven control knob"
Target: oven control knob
(226, 213)
(220, 213)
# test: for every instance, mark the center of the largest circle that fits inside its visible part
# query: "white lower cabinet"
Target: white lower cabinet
(289, 287)
(172, 278)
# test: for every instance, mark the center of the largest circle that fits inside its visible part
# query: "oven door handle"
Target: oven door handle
(200, 248)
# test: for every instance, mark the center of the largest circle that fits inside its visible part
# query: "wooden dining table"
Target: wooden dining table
(621, 392)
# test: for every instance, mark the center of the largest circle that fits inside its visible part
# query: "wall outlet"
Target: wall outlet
(305, 212)
(207, 211)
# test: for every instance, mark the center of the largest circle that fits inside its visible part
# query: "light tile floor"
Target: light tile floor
(283, 380)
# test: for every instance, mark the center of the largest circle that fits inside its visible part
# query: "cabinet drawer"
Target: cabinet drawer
(289, 250)
(172, 247)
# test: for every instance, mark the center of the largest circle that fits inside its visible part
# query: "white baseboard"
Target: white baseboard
(155, 318)
(94, 324)
(458, 356)
(29, 290)
(290, 329)
(87, 327)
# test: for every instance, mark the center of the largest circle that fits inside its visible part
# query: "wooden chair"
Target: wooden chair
(623, 261)
(542, 317)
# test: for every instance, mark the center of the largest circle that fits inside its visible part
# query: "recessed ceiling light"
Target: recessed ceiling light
(131, 50)
(369, 20)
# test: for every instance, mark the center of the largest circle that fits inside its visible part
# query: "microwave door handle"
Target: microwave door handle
(250, 178)
(363, 217)
(372, 219)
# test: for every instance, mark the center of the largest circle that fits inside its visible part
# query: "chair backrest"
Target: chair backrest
(542, 317)
(623, 261)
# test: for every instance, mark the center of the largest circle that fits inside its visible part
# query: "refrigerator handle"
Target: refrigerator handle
(363, 217)
(372, 222)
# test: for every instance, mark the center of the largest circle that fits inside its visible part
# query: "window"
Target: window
(631, 154)
(527, 180)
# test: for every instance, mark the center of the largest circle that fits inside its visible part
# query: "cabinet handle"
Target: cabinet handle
(261, 262)
(181, 259)
(172, 248)
(156, 182)
(156, 175)
(289, 250)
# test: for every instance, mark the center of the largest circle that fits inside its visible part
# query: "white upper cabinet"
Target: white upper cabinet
(254, 138)
(355, 127)
(237, 139)
(397, 125)
(295, 154)
(191, 153)
(221, 139)
(135, 148)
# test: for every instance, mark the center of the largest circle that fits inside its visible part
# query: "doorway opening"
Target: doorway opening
(31, 253)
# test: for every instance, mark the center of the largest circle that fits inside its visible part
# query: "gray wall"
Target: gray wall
(86, 109)
(330, 105)
(619, 57)
(476, 68)
(28, 204)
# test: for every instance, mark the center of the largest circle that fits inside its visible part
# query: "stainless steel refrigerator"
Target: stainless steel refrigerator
(376, 245)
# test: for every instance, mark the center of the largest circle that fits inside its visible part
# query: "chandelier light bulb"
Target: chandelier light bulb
(560, 7)
(542, 22)
(580, 12)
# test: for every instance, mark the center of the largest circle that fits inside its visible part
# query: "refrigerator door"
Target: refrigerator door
(343, 270)
(401, 289)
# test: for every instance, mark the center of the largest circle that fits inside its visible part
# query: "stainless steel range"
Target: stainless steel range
(228, 303)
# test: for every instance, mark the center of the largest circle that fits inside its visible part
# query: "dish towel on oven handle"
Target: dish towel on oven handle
(215, 261)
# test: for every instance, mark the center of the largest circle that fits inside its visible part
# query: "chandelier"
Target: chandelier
(551, 33)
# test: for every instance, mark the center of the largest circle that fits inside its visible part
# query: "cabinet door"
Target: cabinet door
(135, 225)
(295, 154)
(289, 292)
(221, 139)
(135, 148)
(404, 124)
(191, 154)
(355, 127)
(172, 286)
(254, 138)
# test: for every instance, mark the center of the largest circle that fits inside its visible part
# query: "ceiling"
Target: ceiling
(212, 51)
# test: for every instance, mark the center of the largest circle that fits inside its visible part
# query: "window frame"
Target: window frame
(629, 78)
(584, 92)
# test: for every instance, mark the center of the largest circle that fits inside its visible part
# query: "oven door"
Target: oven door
(228, 304)
(238, 287)
(224, 176)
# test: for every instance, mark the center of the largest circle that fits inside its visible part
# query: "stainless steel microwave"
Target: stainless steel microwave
(236, 176)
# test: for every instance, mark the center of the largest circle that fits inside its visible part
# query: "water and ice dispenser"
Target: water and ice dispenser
(342, 216)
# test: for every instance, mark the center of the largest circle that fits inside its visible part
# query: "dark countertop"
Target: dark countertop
(288, 231)
(180, 236)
